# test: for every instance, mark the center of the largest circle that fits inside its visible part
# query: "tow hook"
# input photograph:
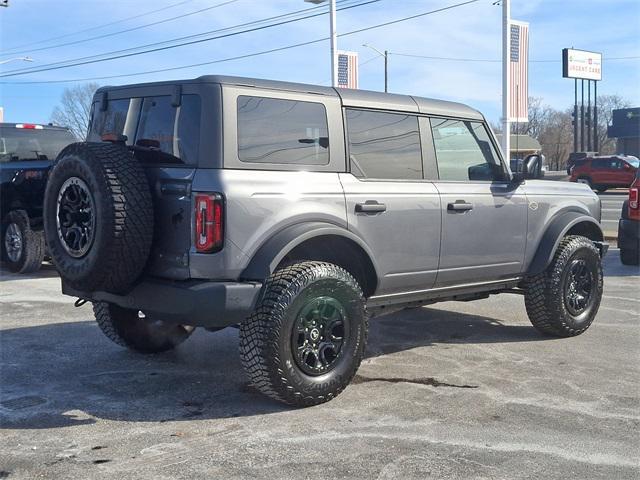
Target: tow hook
(79, 302)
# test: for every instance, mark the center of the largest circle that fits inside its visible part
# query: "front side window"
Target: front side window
(464, 151)
(278, 131)
(384, 145)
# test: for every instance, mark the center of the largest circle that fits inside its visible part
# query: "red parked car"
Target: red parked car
(603, 172)
(629, 226)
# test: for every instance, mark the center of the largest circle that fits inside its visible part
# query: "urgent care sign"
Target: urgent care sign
(581, 64)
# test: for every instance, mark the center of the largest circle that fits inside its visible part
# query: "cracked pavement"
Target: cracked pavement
(450, 391)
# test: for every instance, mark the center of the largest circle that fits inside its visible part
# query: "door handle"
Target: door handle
(459, 206)
(370, 206)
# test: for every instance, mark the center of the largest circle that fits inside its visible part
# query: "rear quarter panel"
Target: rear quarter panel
(547, 199)
(259, 204)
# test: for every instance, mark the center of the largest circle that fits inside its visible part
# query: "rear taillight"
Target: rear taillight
(209, 222)
(633, 198)
(29, 126)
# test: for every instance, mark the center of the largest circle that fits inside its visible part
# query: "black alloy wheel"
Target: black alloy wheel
(75, 217)
(578, 287)
(320, 332)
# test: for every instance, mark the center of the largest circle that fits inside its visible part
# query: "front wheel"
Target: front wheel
(305, 341)
(23, 248)
(564, 299)
(132, 329)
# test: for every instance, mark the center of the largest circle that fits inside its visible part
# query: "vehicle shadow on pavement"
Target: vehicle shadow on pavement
(66, 374)
(46, 271)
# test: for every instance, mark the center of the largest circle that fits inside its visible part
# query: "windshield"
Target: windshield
(18, 144)
(633, 161)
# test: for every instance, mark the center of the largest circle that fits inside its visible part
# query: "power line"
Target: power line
(249, 55)
(139, 27)
(485, 60)
(186, 37)
(90, 29)
(81, 61)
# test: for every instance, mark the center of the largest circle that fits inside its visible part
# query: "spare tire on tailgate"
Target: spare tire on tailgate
(98, 217)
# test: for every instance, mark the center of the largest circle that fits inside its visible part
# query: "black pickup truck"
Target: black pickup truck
(27, 152)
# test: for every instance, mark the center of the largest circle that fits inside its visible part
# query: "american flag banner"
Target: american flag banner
(347, 69)
(518, 71)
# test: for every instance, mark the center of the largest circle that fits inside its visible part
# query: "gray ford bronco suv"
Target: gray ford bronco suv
(295, 211)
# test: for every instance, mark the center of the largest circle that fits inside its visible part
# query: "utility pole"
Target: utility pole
(384, 54)
(506, 127)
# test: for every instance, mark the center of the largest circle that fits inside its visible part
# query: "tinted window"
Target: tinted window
(464, 151)
(164, 133)
(384, 145)
(271, 130)
(111, 121)
(17, 144)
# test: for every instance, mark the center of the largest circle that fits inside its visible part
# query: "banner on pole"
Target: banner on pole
(518, 71)
(347, 69)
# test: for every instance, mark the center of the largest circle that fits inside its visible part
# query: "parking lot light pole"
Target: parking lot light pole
(334, 38)
(384, 54)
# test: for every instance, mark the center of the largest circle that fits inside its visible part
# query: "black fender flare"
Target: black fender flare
(557, 229)
(270, 254)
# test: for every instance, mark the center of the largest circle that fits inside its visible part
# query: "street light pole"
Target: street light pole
(384, 54)
(506, 127)
(333, 37)
(24, 59)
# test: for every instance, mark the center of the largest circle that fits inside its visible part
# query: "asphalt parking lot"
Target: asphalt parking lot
(456, 390)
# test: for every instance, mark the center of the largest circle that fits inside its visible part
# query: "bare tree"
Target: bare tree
(75, 108)
(556, 138)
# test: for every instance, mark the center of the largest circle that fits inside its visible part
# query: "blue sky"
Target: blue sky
(472, 32)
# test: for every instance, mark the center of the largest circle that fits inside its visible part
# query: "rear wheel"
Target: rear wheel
(601, 189)
(22, 248)
(564, 299)
(306, 338)
(629, 256)
(132, 329)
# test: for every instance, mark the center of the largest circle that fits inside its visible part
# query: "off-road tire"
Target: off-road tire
(126, 328)
(123, 217)
(544, 293)
(629, 256)
(265, 347)
(33, 246)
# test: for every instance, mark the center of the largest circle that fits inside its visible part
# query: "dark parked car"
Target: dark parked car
(629, 226)
(296, 211)
(604, 172)
(27, 152)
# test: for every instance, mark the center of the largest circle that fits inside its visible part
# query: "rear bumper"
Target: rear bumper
(628, 233)
(197, 303)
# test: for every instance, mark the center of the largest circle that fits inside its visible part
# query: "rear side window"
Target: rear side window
(384, 145)
(278, 131)
(464, 151)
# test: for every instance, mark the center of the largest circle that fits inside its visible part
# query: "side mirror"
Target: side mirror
(532, 166)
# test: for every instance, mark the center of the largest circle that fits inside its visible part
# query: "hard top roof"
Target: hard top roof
(349, 97)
